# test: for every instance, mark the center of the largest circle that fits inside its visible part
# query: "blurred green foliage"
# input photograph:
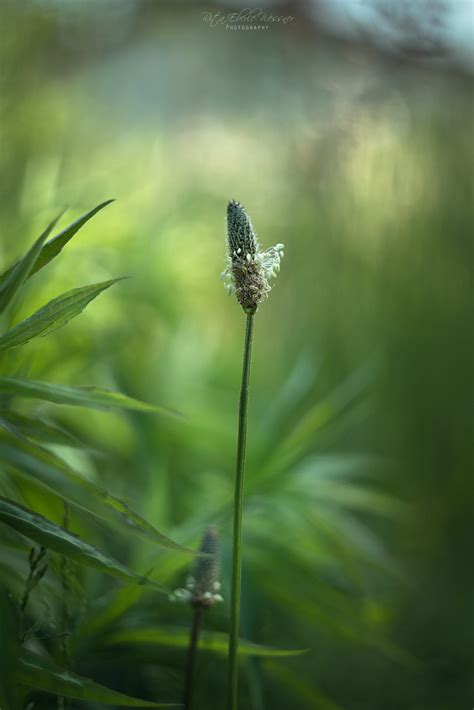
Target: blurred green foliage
(358, 512)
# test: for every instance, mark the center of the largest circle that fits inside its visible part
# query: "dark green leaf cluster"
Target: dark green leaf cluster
(27, 463)
(48, 501)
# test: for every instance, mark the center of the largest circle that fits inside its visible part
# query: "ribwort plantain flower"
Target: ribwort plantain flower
(248, 267)
(202, 587)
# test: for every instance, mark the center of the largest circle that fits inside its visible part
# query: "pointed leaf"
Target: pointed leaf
(21, 453)
(53, 315)
(19, 272)
(52, 248)
(106, 610)
(302, 436)
(38, 429)
(216, 641)
(54, 537)
(38, 672)
(55, 245)
(94, 397)
(310, 696)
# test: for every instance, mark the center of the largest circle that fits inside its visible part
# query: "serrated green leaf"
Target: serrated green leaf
(216, 641)
(56, 244)
(38, 429)
(53, 315)
(19, 272)
(36, 671)
(94, 397)
(21, 453)
(53, 537)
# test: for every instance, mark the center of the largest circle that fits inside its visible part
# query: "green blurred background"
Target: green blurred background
(352, 145)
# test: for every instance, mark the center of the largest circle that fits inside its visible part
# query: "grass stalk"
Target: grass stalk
(201, 593)
(237, 526)
(191, 661)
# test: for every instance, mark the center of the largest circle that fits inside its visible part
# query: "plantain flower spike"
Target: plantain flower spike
(203, 586)
(248, 267)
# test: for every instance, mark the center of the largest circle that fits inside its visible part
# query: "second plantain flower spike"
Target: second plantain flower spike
(248, 267)
(203, 586)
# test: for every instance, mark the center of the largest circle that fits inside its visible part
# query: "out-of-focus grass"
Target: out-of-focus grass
(362, 169)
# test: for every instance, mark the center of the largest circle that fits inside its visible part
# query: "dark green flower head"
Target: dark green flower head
(203, 585)
(248, 268)
(206, 572)
(240, 231)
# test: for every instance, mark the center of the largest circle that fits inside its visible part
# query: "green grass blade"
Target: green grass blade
(107, 610)
(38, 429)
(299, 687)
(301, 437)
(13, 279)
(38, 672)
(52, 248)
(55, 538)
(51, 470)
(215, 641)
(94, 397)
(53, 315)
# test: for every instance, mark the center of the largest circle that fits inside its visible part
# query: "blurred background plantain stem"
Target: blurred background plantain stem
(191, 661)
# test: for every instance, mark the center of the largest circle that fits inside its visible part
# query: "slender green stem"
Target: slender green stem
(238, 508)
(192, 658)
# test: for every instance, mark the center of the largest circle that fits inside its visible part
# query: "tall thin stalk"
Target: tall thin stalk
(238, 509)
(191, 659)
(248, 270)
(201, 593)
